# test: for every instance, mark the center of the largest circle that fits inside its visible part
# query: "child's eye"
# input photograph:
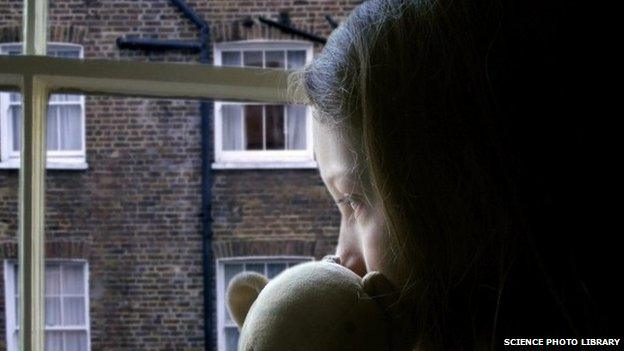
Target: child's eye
(351, 201)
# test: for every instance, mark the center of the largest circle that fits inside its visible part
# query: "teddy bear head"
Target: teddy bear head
(312, 306)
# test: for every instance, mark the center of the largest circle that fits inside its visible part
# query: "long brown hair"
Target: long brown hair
(427, 92)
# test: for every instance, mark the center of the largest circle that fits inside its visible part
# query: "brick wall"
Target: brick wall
(135, 214)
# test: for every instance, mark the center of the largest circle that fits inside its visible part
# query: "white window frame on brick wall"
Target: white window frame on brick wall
(256, 159)
(222, 323)
(37, 76)
(56, 159)
(10, 274)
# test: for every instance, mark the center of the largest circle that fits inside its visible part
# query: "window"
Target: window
(228, 268)
(249, 135)
(65, 133)
(66, 306)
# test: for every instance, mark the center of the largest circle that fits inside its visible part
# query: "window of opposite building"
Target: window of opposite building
(65, 135)
(227, 268)
(66, 306)
(251, 135)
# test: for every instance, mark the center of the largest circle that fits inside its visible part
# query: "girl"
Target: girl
(440, 134)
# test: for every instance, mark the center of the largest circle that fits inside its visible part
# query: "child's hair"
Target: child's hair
(446, 104)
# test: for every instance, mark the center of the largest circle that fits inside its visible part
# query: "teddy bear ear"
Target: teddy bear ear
(242, 292)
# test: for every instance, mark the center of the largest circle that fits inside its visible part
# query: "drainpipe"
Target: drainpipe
(206, 108)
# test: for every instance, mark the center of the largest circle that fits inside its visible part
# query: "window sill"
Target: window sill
(57, 165)
(265, 165)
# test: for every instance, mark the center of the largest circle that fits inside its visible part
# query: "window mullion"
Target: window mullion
(31, 213)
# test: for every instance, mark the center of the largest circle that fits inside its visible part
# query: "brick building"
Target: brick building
(124, 224)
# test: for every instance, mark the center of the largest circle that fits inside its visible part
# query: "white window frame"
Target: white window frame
(10, 308)
(37, 76)
(221, 288)
(58, 159)
(258, 159)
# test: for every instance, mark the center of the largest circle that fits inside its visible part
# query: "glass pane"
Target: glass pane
(275, 269)
(53, 341)
(75, 340)
(274, 59)
(73, 311)
(275, 139)
(232, 127)
(65, 53)
(17, 312)
(255, 267)
(73, 279)
(292, 264)
(296, 59)
(64, 98)
(231, 339)
(229, 271)
(253, 127)
(16, 118)
(252, 58)
(53, 311)
(15, 97)
(52, 280)
(296, 124)
(231, 58)
(52, 136)
(70, 127)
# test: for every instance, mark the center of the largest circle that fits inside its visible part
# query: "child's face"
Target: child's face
(362, 242)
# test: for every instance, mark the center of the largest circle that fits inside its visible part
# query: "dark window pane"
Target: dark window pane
(231, 58)
(296, 59)
(255, 267)
(275, 127)
(253, 127)
(275, 59)
(275, 269)
(252, 58)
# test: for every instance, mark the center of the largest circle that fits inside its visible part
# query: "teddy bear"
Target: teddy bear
(320, 306)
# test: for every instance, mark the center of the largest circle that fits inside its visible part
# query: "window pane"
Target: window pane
(70, 127)
(52, 280)
(232, 122)
(53, 341)
(255, 267)
(73, 279)
(64, 98)
(75, 341)
(15, 97)
(252, 58)
(17, 316)
(65, 53)
(52, 136)
(275, 127)
(274, 59)
(53, 311)
(275, 269)
(296, 59)
(231, 339)
(231, 58)
(297, 136)
(253, 127)
(73, 311)
(16, 116)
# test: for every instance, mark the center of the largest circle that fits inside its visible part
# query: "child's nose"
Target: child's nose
(352, 258)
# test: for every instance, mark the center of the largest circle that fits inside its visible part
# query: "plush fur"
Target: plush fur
(318, 306)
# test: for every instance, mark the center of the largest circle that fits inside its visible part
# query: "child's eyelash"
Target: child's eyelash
(349, 200)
